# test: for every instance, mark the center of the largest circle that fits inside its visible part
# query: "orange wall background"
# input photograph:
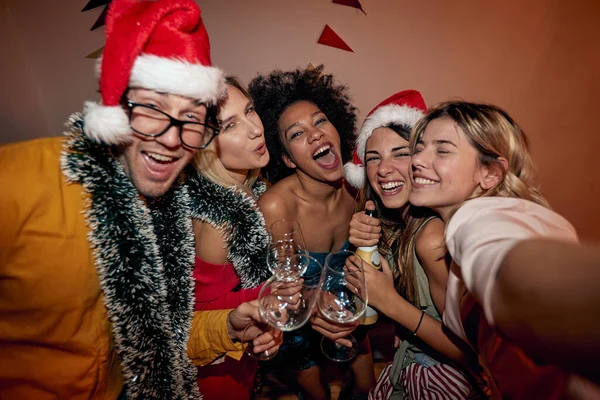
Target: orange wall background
(538, 59)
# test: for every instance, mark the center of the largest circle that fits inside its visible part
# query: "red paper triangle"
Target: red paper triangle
(330, 38)
(350, 3)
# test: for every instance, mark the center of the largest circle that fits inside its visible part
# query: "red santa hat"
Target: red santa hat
(403, 108)
(158, 45)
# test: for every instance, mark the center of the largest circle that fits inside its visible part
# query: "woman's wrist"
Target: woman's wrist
(391, 302)
(402, 311)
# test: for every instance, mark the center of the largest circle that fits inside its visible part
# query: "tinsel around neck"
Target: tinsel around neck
(143, 252)
(236, 214)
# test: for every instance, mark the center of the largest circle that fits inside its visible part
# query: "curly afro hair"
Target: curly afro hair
(274, 93)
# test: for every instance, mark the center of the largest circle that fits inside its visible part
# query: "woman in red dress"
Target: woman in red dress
(231, 237)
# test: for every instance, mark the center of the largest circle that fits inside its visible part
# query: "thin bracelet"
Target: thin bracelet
(419, 325)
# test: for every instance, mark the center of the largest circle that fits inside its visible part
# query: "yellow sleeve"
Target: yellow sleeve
(209, 338)
(11, 217)
(31, 178)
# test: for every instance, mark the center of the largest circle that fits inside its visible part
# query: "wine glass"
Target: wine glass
(251, 332)
(286, 241)
(341, 302)
(287, 305)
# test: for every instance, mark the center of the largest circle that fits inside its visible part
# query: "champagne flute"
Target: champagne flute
(286, 241)
(340, 302)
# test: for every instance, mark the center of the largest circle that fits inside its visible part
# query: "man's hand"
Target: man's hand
(247, 314)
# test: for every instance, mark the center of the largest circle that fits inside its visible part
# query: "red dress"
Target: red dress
(228, 378)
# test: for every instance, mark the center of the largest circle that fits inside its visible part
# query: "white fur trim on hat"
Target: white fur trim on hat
(384, 116)
(107, 124)
(355, 174)
(167, 75)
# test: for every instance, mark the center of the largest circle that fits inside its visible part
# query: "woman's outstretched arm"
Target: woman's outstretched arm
(546, 299)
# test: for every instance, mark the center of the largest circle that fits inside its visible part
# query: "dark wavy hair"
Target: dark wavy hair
(275, 92)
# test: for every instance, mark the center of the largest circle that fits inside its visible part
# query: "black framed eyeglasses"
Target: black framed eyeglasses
(148, 121)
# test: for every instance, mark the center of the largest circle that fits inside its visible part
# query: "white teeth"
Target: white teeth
(321, 150)
(160, 157)
(391, 185)
(424, 181)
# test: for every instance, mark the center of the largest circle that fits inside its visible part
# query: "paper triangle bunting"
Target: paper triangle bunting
(330, 38)
(95, 3)
(96, 53)
(101, 19)
(350, 3)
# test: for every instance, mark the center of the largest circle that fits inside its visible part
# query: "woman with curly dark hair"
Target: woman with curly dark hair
(309, 125)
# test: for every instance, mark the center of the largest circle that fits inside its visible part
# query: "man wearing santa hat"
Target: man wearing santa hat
(96, 244)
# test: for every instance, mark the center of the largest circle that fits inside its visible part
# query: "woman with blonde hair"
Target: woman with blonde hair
(471, 164)
(231, 237)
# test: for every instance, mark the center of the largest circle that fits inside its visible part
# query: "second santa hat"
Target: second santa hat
(403, 108)
(159, 45)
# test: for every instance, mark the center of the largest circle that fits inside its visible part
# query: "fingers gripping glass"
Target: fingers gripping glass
(287, 305)
(343, 299)
(149, 121)
(252, 332)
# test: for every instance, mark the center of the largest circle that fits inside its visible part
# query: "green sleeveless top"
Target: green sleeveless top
(407, 352)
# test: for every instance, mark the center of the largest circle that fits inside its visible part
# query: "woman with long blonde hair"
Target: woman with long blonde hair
(231, 237)
(471, 164)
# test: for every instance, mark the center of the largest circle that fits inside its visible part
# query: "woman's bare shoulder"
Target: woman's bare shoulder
(430, 237)
(279, 194)
(278, 201)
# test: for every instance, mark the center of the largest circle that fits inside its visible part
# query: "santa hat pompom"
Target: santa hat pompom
(106, 124)
(355, 172)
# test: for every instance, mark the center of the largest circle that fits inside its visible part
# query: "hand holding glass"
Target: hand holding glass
(343, 299)
(288, 305)
(253, 332)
